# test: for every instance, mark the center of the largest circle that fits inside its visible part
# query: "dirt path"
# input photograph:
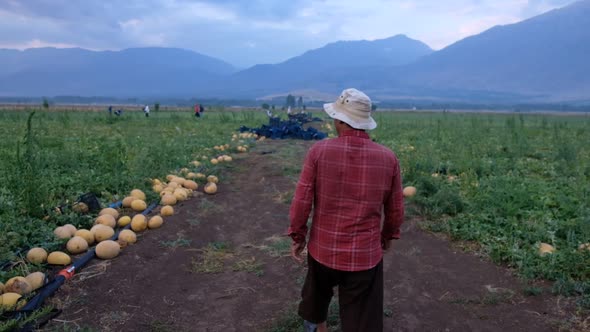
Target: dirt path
(220, 264)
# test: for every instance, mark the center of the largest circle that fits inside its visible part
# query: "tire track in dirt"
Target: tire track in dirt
(155, 285)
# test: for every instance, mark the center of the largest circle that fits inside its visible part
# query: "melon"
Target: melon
(62, 233)
(128, 236)
(80, 207)
(220, 159)
(107, 220)
(180, 194)
(545, 248)
(191, 175)
(77, 245)
(157, 188)
(212, 178)
(9, 301)
(227, 158)
(138, 223)
(191, 185)
(60, 258)
(196, 163)
(184, 170)
(214, 161)
(110, 211)
(155, 222)
(409, 191)
(102, 232)
(37, 255)
(584, 246)
(86, 235)
(18, 285)
(200, 176)
(124, 221)
(36, 280)
(172, 186)
(138, 205)
(108, 249)
(127, 201)
(210, 188)
(156, 181)
(168, 199)
(138, 194)
(1, 287)
(71, 228)
(167, 211)
(170, 177)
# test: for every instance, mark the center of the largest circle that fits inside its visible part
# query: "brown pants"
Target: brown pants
(360, 296)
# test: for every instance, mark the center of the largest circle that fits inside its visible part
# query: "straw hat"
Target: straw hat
(354, 108)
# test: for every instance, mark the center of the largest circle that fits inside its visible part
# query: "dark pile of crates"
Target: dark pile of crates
(290, 128)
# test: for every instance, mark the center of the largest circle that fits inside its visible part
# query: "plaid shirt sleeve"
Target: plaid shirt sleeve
(394, 207)
(303, 199)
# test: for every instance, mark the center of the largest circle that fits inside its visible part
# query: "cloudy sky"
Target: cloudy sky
(246, 32)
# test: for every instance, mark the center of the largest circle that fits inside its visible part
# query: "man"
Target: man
(350, 181)
(146, 110)
(197, 110)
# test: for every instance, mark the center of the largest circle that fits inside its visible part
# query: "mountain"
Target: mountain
(306, 71)
(130, 72)
(543, 58)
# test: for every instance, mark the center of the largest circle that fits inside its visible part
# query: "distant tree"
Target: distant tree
(290, 101)
(300, 102)
(156, 107)
(265, 106)
(373, 107)
(45, 103)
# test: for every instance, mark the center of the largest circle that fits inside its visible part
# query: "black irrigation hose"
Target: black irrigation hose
(47, 291)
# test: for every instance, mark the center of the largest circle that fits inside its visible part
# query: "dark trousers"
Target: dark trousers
(360, 296)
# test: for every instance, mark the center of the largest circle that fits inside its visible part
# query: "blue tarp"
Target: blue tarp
(291, 128)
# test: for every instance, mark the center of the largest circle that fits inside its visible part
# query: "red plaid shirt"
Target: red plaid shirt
(349, 181)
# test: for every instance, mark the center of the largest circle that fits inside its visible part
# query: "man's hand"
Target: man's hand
(385, 244)
(296, 249)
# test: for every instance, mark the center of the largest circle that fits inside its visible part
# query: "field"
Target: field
(498, 184)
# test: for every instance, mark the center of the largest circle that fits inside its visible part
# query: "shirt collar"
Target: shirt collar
(355, 133)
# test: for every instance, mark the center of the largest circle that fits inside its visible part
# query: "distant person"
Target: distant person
(201, 109)
(197, 110)
(289, 110)
(118, 112)
(146, 110)
(110, 110)
(351, 183)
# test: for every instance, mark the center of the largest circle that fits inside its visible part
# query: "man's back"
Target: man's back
(354, 180)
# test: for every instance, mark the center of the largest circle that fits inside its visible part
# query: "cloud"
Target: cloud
(255, 31)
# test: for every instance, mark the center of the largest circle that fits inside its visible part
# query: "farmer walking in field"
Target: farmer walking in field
(352, 183)
(146, 110)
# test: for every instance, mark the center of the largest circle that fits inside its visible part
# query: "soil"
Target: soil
(221, 264)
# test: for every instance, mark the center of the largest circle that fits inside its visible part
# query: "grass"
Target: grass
(277, 246)
(249, 265)
(212, 258)
(180, 241)
(289, 320)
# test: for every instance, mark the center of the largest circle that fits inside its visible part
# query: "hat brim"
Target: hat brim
(334, 112)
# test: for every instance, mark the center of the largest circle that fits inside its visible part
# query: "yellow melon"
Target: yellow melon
(156, 181)
(102, 232)
(18, 285)
(584, 246)
(200, 176)
(110, 211)
(155, 222)
(138, 205)
(77, 245)
(62, 233)
(168, 199)
(191, 185)
(36, 280)
(10, 301)
(212, 178)
(124, 221)
(196, 163)
(80, 207)
(180, 194)
(170, 177)
(210, 188)
(86, 235)
(214, 161)
(167, 211)
(409, 191)
(191, 175)
(545, 248)
(60, 258)
(128, 236)
(157, 188)
(108, 249)
(138, 194)
(138, 223)
(227, 158)
(127, 201)
(107, 220)
(172, 185)
(37, 255)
